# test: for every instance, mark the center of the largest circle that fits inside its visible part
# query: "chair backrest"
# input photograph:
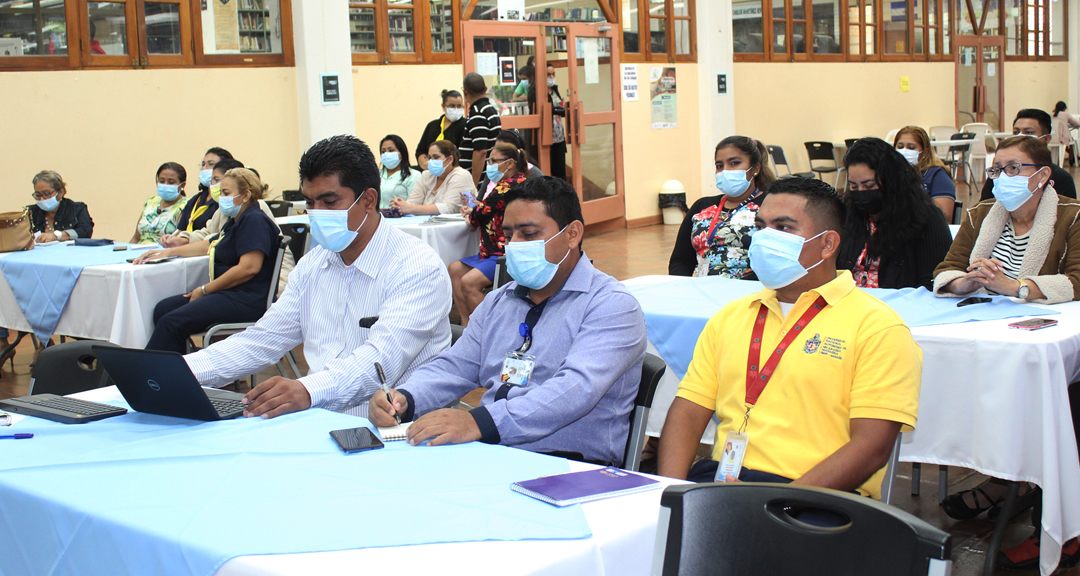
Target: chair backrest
(502, 276)
(983, 132)
(958, 212)
(68, 368)
(777, 154)
(749, 528)
(1059, 132)
(849, 142)
(963, 150)
(652, 370)
(292, 196)
(299, 235)
(279, 208)
(892, 135)
(820, 151)
(282, 245)
(942, 132)
(456, 330)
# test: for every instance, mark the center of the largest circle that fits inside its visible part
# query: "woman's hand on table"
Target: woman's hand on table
(47, 237)
(152, 254)
(988, 273)
(174, 240)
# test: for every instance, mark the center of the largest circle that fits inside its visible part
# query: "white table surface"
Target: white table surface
(624, 533)
(993, 399)
(451, 240)
(115, 302)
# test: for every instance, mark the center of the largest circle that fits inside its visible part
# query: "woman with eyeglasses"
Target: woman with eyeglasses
(893, 235)
(161, 212)
(470, 276)
(53, 217)
(1022, 244)
(439, 189)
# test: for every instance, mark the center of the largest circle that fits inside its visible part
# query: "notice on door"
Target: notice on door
(629, 83)
(507, 72)
(662, 95)
(592, 61)
(487, 63)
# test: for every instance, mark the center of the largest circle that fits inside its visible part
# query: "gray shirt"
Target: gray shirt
(588, 346)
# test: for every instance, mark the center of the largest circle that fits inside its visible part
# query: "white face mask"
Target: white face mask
(455, 114)
(912, 156)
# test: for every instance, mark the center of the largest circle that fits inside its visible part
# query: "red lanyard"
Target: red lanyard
(757, 380)
(716, 219)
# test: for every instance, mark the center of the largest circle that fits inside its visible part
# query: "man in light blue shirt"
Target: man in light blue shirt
(586, 346)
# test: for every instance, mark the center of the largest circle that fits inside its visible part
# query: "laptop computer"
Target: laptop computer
(161, 383)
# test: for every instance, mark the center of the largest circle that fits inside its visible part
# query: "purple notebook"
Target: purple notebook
(578, 487)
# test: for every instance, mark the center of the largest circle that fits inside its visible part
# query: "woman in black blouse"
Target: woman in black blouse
(449, 126)
(54, 217)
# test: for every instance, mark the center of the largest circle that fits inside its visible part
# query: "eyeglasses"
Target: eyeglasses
(1010, 169)
(496, 161)
(40, 196)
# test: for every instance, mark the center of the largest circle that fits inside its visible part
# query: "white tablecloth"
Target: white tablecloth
(993, 399)
(115, 302)
(451, 240)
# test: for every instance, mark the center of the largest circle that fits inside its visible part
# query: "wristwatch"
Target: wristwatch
(1024, 290)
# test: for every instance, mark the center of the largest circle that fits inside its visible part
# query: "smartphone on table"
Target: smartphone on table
(973, 300)
(352, 440)
(1033, 324)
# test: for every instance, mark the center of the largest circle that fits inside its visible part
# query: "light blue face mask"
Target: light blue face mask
(732, 182)
(493, 173)
(48, 204)
(1012, 191)
(228, 206)
(528, 265)
(330, 228)
(436, 167)
(390, 160)
(168, 192)
(205, 176)
(774, 257)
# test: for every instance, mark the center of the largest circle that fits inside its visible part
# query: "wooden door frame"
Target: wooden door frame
(979, 43)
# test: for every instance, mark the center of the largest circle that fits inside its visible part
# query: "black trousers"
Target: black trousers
(175, 319)
(558, 160)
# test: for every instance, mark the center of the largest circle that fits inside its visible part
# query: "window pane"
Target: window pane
(656, 8)
(827, 27)
(29, 30)
(1057, 27)
(869, 44)
(442, 25)
(658, 35)
(163, 28)
(484, 10)
(241, 27)
(798, 36)
(682, 37)
(108, 23)
(919, 48)
(933, 41)
(401, 30)
(362, 29)
(946, 33)
(747, 27)
(896, 27)
(1013, 25)
(1033, 27)
(631, 36)
(993, 25)
(963, 19)
(565, 11)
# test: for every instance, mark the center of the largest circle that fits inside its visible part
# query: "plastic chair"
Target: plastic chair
(939, 133)
(300, 238)
(279, 208)
(751, 528)
(68, 368)
(776, 155)
(960, 156)
(652, 370)
(501, 275)
(892, 135)
(292, 196)
(1060, 139)
(849, 142)
(979, 151)
(824, 151)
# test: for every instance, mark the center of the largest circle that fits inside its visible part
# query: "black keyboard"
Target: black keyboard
(227, 408)
(61, 409)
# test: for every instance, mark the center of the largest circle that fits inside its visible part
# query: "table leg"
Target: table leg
(942, 483)
(1000, 527)
(916, 478)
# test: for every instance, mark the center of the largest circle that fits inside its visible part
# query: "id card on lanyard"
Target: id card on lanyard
(518, 365)
(757, 377)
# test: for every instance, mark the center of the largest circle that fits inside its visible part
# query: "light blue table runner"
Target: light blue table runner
(153, 495)
(676, 311)
(42, 279)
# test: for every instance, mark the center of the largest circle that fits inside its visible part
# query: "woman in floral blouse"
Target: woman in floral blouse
(161, 212)
(715, 235)
(470, 276)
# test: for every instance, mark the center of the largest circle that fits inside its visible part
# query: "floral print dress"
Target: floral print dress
(488, 217)
(155, 222)
(717, 236)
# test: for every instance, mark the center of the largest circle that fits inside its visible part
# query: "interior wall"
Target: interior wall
(400, 100)
(1034, 85)
(107, 131)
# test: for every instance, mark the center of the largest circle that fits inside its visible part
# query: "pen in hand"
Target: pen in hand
(386, 390)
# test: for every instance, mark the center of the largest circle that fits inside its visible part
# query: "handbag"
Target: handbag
(15, 231)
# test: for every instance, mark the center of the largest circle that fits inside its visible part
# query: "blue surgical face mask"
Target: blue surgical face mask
(228, 206)
(168, 192)
(528, 265)
(436, 167)
(732, 182)
(493, 173)
(205, 176)
(774, 257)
(49, 204)
(524, 83)
(1012, 191)
(390, 160)
(330, 228)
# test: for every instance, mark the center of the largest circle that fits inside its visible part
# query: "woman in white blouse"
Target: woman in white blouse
(440, 188)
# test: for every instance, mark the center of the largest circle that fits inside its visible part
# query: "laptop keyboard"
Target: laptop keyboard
(225, 407)
(71, 405)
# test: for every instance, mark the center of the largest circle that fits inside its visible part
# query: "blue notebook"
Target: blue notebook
(578, 487)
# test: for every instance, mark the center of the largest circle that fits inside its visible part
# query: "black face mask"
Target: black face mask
(868, 202)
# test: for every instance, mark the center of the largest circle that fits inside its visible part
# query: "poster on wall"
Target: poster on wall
(629, 83)
(507, 72)
(226, 29)
(665, 109)
(512, 10)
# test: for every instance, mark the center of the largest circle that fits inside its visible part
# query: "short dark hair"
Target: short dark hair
(345, 156)
(526, 71)
(175, 167)
(402, 149)
(560, 200)
(1039, 116)
(449, 94)
(228, 164)
(220, 153)
(823, 204)
(1035, 148)
(474, 84)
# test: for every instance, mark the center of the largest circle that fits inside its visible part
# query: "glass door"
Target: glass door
(979, 79)
(496, 51)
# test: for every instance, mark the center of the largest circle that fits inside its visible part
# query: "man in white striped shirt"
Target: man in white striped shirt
(368, 293)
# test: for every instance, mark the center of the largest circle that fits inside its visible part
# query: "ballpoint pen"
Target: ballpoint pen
(386, 389)
(21, 436)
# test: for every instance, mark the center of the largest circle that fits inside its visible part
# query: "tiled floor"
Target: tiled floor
(631, 253)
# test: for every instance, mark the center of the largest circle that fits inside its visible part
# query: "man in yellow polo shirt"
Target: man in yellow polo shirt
(811, 378)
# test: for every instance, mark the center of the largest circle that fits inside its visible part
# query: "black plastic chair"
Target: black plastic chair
(849, 142)
(823, 152)
(752, 528)
(652, 370)
(300, 238)
(279, 208)
(292, 196)
(958, 212)
(501, 275)
(960, 157)
(779, 159)
(68, 368)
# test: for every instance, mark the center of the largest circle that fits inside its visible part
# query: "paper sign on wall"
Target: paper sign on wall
(487, 63)
(512, 10)
(905, 84)
(991, 68)
(331, 89)
(592, 61)
(507, 72)
(663, 100)
(629, 83)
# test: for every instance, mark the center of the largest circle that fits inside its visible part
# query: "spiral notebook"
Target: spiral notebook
(579, 487)
(395, 433)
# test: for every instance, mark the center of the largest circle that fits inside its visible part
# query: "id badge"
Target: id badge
(732, 458)
(517, 369)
